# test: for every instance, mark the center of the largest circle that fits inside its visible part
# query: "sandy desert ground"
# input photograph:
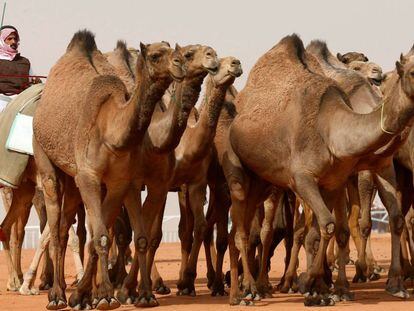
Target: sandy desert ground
(368, 296)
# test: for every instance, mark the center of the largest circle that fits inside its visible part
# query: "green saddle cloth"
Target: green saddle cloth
(13, 164)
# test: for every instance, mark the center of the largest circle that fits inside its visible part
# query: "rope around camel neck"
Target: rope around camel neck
(382, 121)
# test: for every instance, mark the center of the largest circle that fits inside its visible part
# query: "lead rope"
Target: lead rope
(382, 121)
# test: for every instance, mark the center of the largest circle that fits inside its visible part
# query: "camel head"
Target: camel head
(229, 69)
(351, 56)
(405, 69)
(162, 61)
(369, 70)
(200, 60)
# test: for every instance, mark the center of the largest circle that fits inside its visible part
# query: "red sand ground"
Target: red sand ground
(368, 296)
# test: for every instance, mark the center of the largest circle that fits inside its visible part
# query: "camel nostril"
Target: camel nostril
(176, 61)
(235, 63)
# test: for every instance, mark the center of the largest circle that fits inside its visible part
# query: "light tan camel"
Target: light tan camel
(314, 162)
(157, 160)
(88, 127)
(27, 287)
(351, 57)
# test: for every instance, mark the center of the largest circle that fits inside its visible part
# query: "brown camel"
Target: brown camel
(314, 161)
(124, 62)
(362, 99)
(95, 145)
(193, 156)
(157, 161)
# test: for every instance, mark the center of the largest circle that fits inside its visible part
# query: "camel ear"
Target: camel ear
(403, 60)
(400, 68)
(177, 47)
(340, 57)
(167, 43)
(143, 49)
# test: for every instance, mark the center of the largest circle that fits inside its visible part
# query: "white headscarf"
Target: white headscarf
(6, 51)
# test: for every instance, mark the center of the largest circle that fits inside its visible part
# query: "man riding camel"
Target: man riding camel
(14, 68)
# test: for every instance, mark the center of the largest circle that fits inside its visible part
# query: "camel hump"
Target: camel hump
(295, 44)
(320, 49)
(83, 40)
(121, 46)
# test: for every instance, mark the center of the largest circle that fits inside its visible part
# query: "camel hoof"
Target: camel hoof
(374, 276)
(402, 294)
(53, 305)
(147, 302)
(26, 291)
(186, 292)
(162, 290)
(246, 303)
(108, 304)
(215, 293)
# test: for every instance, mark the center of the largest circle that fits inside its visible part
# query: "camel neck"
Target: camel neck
(201, 136)
(136, 115)
(354, 135)
(167, 130)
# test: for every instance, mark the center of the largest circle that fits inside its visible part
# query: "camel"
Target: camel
(157, 160)
(124, 61)
(95, 146)
(349, 57)
(373, 73)
(193, 156)
(315, 163)
(380, 168)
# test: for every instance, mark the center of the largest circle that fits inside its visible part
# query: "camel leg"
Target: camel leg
(74, 245)
(405, 258)
(365, 193)
(308, 191)
(244, 197)
(330, 254)
(17, 203)
(46, 276)
(153, 212)
(185, 230)
(271, 205)
(283, 231)
(101, 217)
(53, 198)
(197, 193)
(208, 238)
(158, 283)
(289, 284)
(81, 232)
(27, 287)
(386, 183)
(123, 237)
(127, 294)
(342, 238)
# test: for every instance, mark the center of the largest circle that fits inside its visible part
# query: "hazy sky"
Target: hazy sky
(382, 29)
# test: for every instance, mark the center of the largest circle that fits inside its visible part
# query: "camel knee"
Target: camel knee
(101, 244)
(200, 229)
(237, 191)
(141, 244)
(155, 242)
(50, 187)
(342, 237)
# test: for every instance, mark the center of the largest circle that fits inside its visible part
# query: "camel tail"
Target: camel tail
(83, 40)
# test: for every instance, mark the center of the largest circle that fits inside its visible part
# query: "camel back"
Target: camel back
(13, 164)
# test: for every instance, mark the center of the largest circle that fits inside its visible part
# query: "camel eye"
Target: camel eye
(155, 57)
(357, 68)
(188, 55)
